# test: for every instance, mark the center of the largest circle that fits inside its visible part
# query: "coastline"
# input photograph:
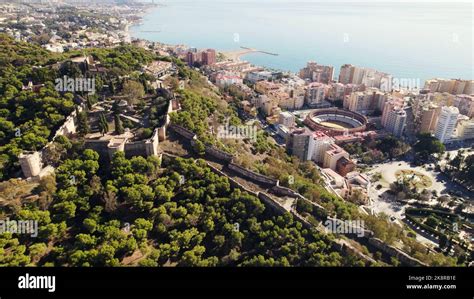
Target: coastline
(145, 10)
(233, 55)
(236, 55)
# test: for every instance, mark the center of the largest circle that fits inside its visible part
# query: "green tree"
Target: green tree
(134, 90)
(428, 145)
(103, 124)
(118, 125)
(82, 123)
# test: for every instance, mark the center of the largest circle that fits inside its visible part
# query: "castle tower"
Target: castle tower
(31, 164)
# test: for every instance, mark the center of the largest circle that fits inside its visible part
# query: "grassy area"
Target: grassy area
(416, 179)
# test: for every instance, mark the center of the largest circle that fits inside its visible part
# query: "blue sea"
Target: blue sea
(406, 39)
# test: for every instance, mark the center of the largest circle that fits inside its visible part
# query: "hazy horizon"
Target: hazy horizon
(409, 40)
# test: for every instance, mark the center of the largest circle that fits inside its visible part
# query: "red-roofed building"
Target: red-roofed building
(344, 166)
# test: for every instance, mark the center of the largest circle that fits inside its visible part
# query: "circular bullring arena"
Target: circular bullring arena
(335, 121)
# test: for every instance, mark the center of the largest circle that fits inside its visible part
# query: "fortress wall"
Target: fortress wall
(152, 144)
(133, 149)
(233, 183)
(100, 146)
(268, 201)
(283, 191)
(219, 154)
(162, 133)
(252, 175)
(182, 131)
(395, 252)
(143, 148)
(69, 125)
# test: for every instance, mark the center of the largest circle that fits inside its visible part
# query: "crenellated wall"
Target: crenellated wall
(252, 175)
(219, 154)
(274, 205)
(32, 162)
(395, 252)
(144, 148)
(183, 131)
(69, 125)
(283, 191)
(100, 146)
(152, 144)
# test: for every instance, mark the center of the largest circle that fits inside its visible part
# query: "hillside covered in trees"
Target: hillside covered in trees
(144, 211)
(145, 214)
(133, 211)
(29, 116)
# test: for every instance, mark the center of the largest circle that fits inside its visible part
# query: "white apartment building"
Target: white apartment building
(287, 119)
(359, 102)
(336, 91)
(259, 76)
(390, 105)
(358, 75)
(351, 74)
(225, 79)
(465, 129)
(316, 94)
(452, 86)
(465, 104)
(332, 155)
(317, 73)
(446, 123)
(364, 101)
(321, 144)
(292, 102)
(396, 121)
(427, 118)
(266, 104)
(345, 75)
(373, 78)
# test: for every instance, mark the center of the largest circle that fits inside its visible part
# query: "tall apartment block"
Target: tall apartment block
(300, 143)
(315, 94)
(350, 74)
(395, 120)
(446, 123)
(209, 57)
(317, 73)
(452, 86)
(364, 102)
